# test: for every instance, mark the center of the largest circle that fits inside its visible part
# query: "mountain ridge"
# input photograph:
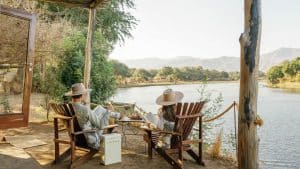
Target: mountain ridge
(222, 63)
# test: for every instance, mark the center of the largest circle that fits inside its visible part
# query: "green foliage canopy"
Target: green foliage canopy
(120, 69)
(72, 65)
(113, 24)
(113, 20)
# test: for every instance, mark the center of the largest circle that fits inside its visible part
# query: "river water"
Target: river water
(279, 146)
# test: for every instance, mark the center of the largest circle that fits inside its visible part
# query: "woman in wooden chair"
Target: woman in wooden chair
(165, 119)
(170, 134)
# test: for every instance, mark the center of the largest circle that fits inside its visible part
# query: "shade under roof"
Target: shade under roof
(80, 3)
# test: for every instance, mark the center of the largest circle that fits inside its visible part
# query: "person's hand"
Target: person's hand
(110, 107)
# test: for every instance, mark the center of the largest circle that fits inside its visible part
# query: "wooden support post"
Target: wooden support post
(250, 50)
(89, 51)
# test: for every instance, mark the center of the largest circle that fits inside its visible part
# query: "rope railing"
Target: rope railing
(234, 104)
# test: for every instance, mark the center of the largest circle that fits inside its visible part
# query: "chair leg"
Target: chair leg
(73, 156)
(56, 144)
(176, 164)
(180, 150)
(200, 151)
(150, 144)
(83, 159)
(198, 159)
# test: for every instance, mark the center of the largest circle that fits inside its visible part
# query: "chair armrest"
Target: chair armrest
(110, 126)
(196, 128)
(62, 117)
(84, 131)
(160, 131)
(169, 132)
(188, 116)
(146, 128)
(94, 130)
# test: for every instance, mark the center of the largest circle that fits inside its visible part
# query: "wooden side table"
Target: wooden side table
(132, 130)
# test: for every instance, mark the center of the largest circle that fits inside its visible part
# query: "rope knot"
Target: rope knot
(259, 121)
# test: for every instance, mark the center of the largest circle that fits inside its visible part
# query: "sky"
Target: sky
(205, 28)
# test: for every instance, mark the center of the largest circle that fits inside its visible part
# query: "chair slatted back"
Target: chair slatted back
(185, 125)
(57, 109)
(68, 110)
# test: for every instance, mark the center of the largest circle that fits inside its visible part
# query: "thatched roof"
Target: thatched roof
(80, 3)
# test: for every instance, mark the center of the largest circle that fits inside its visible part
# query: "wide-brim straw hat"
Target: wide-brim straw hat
(77, 89)
(169, 97)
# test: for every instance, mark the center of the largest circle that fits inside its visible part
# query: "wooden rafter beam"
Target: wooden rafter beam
(83, 3)
(98, 3)
(70, 3)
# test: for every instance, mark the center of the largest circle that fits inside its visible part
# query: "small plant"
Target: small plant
(212, 107)
(216, 147)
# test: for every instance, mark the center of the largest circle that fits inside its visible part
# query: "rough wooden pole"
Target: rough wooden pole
(88, 51)
(250, 50)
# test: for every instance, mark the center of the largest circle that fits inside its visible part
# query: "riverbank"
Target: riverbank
(144, 84)
(286, 85)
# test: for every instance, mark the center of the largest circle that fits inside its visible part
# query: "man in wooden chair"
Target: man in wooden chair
(85, 126)
(87, 118)
(169, 133)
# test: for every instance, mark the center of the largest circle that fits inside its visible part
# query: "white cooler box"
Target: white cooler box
(111, 149)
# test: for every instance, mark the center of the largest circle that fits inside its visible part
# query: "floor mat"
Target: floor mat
(24, 141)
(14, 158)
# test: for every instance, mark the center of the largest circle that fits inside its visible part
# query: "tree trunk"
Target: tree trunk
(250, 50)
(88, 51)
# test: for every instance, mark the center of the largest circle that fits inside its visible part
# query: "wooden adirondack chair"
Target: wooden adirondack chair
(66, 114)
(186, 116)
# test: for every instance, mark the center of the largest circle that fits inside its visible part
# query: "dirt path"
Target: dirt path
(133, 155)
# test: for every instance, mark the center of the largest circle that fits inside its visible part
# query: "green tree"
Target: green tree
(153, 73)
(102, 79)
(141, 75)
(165, 71)
(298, 77)
(290, 68)
(72, 64)
(274, 74)
(113, 20)
(120, 69)
(297, 60)
(234, 75)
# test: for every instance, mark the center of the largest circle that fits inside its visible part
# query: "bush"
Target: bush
(50, 84)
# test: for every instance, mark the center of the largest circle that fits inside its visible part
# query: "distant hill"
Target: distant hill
(226, 63)
(278, 56)
(221, 63)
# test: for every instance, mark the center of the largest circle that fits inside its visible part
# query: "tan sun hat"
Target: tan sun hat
(169, 97)
(77, 89)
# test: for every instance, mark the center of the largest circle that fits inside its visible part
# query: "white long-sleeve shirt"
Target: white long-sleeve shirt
(91, 119)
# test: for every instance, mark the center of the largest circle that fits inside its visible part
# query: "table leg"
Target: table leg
(124, 134)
